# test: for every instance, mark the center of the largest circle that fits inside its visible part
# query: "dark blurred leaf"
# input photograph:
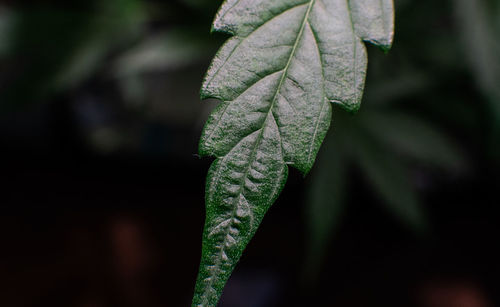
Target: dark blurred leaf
(390, 179)
(115, 23)
(385, 90)
(385, 143)
(174, 49)
(477, 21)
(58, 47)
(325, 202)
(414, 138)
(7, 22)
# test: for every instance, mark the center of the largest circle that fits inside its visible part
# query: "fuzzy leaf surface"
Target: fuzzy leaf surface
(276, 77)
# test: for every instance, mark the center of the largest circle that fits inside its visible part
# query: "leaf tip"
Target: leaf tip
(386, 47)
(351, 108)
(383, 44)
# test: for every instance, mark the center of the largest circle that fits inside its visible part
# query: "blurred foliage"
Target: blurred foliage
(479, 25)
(7, 19)
(390, 144)
(131, 71)
(54, 48)
(127, 48)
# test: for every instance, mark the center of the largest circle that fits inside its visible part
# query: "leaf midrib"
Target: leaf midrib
(260, 136)
(273, 102)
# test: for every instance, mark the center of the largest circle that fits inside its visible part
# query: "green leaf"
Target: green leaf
(325, 204)
(177, 48)
(413, 138)
(85, 36)
(476, 21)
(8, 20)
(276, 77)
(390, 179)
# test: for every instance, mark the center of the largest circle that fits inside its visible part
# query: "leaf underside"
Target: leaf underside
(276, 78)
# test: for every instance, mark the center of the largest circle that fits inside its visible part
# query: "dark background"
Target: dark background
(102, 193)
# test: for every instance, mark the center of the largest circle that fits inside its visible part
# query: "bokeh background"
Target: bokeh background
(102, 192)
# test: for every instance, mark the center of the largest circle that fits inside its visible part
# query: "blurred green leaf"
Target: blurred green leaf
(479, 27)
(414, 138)
(379, 143)
(115, 23)
(385, 90)
(325, 202)
(390, 179)
(165, 51)
(7, 22)
(58, 47)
